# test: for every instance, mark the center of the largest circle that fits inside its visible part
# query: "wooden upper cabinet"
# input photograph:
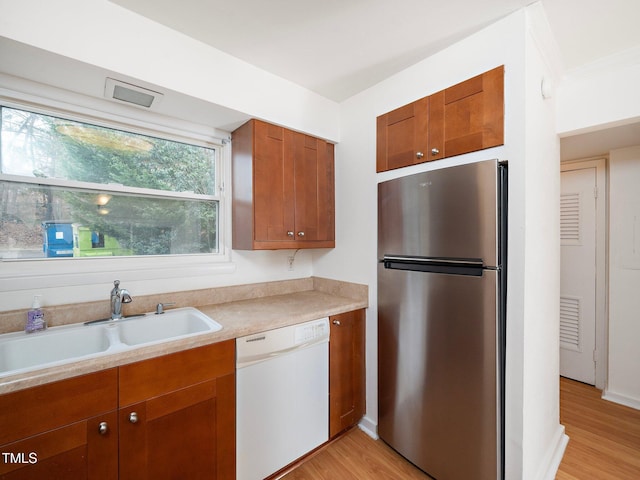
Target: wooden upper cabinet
(473, 113)
(273, 185)
(402, 136)
(463, 118)
(283, 189)
(313, 185)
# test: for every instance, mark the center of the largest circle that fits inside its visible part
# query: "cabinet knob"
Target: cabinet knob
(435, 151)
(336, 322)
(301, 234)
(133, 417)
(419, 155)
(103, 428)
(289, 234)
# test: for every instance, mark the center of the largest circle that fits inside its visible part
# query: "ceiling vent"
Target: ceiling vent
(131, 94)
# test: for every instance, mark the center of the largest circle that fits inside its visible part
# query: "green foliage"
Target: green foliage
(143, 224)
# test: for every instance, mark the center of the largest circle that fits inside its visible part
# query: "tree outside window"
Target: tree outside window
(72, 189)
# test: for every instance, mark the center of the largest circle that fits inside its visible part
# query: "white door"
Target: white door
(578, 274)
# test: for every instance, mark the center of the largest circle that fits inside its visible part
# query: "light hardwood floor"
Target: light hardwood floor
(356, 456)
(604, 437)
(604, 445)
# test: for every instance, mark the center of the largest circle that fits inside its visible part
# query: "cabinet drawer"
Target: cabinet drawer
(45, 407)
(150, 378)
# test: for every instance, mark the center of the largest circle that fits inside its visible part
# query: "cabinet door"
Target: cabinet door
(472, 114)
(346, 370)
(53, 430)
(83, 450)
(177, 415)
(171, 436)
(402, 136)
(312, 162)
(283, 189)
(273, 185)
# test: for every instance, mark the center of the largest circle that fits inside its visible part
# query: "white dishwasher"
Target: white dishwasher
(282, 401)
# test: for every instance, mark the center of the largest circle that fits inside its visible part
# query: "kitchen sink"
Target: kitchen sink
(170, 325)
(21, 352)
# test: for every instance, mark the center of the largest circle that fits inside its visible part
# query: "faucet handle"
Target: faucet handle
(160, 307)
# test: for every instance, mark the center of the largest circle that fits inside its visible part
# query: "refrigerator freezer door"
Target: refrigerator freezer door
(438, 371)
(452, 212)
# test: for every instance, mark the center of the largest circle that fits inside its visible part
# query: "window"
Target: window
(73, 189)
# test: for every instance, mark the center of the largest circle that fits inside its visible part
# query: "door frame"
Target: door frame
(602, 318)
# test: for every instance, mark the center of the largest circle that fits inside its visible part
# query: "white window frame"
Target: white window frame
(32, 274)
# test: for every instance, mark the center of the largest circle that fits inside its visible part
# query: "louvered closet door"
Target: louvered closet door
(578, 274)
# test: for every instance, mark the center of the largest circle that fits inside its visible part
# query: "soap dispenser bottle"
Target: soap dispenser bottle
(35, 317)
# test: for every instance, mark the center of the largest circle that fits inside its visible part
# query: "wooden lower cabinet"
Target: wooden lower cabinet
(346, 370)
(167, 417)
(62, 430)
(76, 451)
(177, 415)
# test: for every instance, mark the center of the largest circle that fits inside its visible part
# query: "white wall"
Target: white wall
(101, 33)
(532, 150)
(599, 95)
(624, 277)
(545, 441)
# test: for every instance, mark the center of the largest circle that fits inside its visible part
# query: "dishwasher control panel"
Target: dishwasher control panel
(309, 332)
(265, 345)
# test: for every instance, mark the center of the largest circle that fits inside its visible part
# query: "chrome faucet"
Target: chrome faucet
(118, 297)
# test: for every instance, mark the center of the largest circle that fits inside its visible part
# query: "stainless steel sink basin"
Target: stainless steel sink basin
(171, 325)
(20, 352)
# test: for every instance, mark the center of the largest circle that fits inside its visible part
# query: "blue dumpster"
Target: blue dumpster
(58, 239)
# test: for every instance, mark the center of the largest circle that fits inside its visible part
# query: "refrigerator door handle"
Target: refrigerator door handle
(454, 266)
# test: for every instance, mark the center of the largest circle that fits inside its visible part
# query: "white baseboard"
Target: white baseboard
(621, 399)
(369, 427)
(553, 457)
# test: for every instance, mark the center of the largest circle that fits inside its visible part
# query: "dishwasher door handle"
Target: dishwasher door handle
(245, 361)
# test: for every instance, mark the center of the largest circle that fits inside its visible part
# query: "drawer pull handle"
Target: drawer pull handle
(133, 417)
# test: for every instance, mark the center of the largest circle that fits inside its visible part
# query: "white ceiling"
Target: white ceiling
(333, 47)
(340, 47)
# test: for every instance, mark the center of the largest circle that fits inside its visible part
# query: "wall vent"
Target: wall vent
(131, 94)
(570, 219)
(570, 316)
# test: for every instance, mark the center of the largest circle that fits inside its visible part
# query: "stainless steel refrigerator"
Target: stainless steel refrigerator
(441, 319)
